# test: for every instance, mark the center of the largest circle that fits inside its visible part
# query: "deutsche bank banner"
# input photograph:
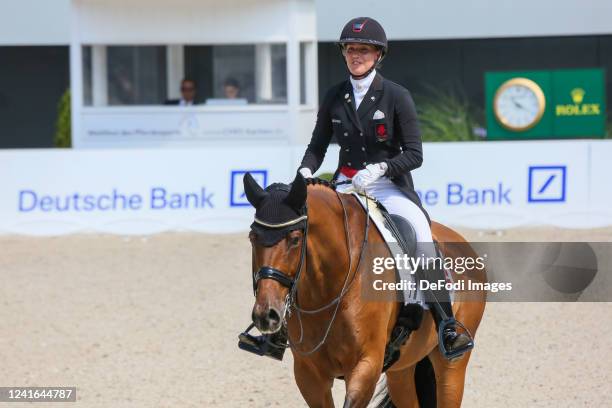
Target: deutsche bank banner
(478, 185)
(132, 191)
(509, 184)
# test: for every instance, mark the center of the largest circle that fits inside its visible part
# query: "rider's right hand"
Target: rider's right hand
(305, 172)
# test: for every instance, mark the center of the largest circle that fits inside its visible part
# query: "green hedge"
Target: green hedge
(326, 176)
(446, 116)
(62, 136)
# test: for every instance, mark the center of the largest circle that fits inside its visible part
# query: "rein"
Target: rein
(345, 286)
(291, 301)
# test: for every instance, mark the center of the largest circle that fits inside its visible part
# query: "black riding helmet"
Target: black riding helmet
(364, 30)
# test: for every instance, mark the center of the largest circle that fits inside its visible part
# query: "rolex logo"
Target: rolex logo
(577, 95)
(578, 108)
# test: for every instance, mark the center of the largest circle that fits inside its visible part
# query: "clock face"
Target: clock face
(519, 104)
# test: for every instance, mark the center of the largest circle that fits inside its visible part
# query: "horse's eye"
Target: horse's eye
(294, 241)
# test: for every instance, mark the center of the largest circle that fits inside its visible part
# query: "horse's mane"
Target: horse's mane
(316, 181)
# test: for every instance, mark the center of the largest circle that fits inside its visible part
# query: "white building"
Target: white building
(124, 60)
(127, 59)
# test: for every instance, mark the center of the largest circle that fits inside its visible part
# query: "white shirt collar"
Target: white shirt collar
(363, 84)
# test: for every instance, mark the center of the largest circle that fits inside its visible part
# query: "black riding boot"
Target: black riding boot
(452, 344)
(271, 345)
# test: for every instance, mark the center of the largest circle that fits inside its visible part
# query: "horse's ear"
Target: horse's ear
(297, 196)
(254, 193)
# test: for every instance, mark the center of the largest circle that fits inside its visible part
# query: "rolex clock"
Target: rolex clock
(519, 104)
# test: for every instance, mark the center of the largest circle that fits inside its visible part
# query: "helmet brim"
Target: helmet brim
(362, 41)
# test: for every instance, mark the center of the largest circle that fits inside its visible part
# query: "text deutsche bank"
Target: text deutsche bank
(458, 194)
(159, 198)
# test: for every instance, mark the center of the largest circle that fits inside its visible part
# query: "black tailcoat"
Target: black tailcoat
(383, 129)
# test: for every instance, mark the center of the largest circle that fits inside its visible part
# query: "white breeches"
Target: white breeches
(389, 195)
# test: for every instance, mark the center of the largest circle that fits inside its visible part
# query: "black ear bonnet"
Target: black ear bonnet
(279, 209)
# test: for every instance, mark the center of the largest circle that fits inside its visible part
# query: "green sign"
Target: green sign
(580, 103)
(545, 104)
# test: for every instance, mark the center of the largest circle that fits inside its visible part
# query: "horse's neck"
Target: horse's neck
(327, 260)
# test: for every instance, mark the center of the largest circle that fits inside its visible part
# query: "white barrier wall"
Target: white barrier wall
(508, 184)
(482, 185)
(49, 192)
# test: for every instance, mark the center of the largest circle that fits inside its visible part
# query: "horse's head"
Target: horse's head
(278, 243)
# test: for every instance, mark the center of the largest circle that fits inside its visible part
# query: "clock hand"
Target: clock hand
(518, 105)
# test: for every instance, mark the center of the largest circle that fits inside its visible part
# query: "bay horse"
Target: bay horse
(311, 250)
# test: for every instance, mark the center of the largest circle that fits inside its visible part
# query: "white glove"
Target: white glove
(305, 172)
(370, 174)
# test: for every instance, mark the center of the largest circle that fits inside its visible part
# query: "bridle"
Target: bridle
(267, 272)
(291, 302)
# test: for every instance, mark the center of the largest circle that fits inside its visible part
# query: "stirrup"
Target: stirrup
(458, 353)
(260, 345)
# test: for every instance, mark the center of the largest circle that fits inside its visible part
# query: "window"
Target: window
(257, 71)
(136, 75)
(124, 75)
(87, 77)
(223, 74)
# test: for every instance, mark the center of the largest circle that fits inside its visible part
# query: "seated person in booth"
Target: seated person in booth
(231, 95)
(188, 94)
(231, 88)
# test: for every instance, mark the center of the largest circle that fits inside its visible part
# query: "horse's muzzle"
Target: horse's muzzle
(267, 319)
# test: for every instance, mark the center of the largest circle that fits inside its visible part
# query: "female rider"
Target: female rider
(375, 123)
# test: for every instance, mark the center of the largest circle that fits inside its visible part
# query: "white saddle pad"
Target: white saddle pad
(370, 205)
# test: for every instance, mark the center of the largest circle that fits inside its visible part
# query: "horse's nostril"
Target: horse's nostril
(273, 317)
(266, 319)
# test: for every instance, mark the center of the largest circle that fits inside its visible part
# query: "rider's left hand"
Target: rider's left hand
(370, 174)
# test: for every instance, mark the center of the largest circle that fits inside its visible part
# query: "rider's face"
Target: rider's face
(360, 57)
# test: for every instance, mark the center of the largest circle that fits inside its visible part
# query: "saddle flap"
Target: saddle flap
(403, 231)
(395, 229)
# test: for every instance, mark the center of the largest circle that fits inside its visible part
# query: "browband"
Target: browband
(283, 224)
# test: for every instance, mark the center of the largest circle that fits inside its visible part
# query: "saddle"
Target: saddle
(395, 230)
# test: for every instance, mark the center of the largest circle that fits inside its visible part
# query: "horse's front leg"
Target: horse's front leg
(450, 378)
(361, 382)
(313, 385)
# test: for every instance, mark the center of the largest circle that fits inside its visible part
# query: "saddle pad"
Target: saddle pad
(372, 207)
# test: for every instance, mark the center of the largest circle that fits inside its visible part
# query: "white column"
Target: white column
(99, 75)
(76, 75)
(175, 69)
(311, 72)
(293, 72)
(263, 72)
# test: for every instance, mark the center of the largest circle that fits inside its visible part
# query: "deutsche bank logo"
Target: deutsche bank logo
(547, 184)
(237, 194)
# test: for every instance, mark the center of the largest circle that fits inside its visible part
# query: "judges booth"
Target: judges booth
(128, 59)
